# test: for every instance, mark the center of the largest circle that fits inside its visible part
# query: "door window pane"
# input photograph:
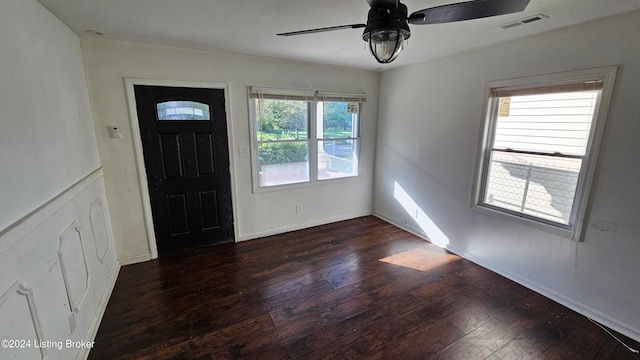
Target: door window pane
(183, 110)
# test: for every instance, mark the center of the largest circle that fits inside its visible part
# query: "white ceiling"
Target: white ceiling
(249, 26)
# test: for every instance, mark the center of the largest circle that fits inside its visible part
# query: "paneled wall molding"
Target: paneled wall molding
(22, 290)
(99, 312)
(73, 264)
(71, 279)
(99, 228)
(13, 234)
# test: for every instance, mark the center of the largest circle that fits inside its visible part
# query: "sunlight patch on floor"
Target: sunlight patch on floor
(420, 259)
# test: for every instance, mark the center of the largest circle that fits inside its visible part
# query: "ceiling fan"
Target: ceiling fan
(388, 21)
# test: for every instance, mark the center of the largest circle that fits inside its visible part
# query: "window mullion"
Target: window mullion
(313, 140)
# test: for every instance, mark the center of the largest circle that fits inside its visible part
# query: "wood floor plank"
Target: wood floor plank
(356, 289)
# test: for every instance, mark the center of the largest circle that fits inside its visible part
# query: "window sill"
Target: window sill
(554, 230)
(305, 184)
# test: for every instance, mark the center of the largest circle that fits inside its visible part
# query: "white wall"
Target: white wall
(429, 123)
(57, 256)
(45, 116)
(109, 62)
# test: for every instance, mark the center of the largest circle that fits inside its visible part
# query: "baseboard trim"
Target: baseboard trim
(135, 259)
(303, 225)
(578, 307)
(99, 312)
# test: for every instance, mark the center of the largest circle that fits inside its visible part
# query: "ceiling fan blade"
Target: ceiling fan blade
(391, 5)
(467, 10)
(329, 28)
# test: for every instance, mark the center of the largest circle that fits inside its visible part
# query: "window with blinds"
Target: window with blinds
(303, 136)
(538, 148)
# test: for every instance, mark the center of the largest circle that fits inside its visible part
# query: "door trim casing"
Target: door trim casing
(139, 156)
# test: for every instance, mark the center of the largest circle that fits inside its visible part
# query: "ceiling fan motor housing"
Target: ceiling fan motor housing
(380, 19)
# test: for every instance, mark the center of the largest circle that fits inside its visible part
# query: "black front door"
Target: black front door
(186, 155)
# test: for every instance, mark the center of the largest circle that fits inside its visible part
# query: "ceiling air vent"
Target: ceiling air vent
(524, 21)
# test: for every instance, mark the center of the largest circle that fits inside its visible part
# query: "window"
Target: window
(182, 110)
(338, 139)
(540, 146)
(304, 136)
(282, 134)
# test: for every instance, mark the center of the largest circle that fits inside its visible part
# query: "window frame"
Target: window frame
(313, 97)
(586, 178)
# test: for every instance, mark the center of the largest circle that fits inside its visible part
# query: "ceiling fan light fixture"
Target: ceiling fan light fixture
(386, 44)
(386, 33)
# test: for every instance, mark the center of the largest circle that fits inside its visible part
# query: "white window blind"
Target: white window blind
(281, 94)
(343, 97)
(256, 92)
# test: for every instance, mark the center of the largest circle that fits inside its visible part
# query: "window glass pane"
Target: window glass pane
(283, 162)
(337, 158)
(546, 122)
(538, 185)
(339, 120)
(541, 186)
(281, 119)
(183, 110)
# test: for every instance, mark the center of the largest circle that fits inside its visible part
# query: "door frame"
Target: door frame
(136, 137)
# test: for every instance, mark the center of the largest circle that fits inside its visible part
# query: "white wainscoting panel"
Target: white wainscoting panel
(60, 260)
(99, 228)
(20, 325)
(73, 265)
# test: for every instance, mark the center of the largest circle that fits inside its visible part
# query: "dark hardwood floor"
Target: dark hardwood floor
(357, 289)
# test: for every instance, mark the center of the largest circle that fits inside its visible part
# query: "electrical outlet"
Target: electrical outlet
(243, 151)
(114, 132)
(298, 209)
(403, 221)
